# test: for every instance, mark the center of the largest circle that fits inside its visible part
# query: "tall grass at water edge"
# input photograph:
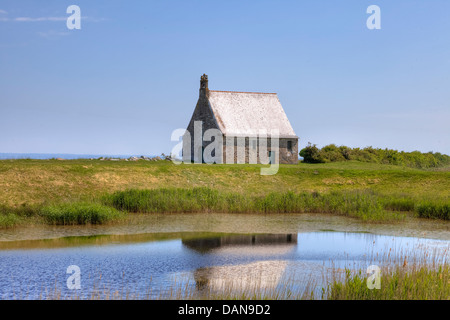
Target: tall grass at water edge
(364, 205)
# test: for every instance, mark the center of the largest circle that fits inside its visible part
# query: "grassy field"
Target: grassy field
(27, 186)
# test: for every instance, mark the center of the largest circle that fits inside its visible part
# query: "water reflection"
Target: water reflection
(241, 242)
(232, 223)
(263, 274)
(244, 277)
(211, 261)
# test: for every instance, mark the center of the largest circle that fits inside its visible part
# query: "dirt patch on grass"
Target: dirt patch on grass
(338, 181)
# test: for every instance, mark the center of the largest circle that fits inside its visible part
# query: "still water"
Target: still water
(147, 265)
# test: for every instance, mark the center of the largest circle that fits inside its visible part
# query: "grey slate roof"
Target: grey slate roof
(245, 113)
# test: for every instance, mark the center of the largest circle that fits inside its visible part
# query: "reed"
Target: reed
(9, 220)
(15, 216)
(359, 204)
(405, 275)
(420, 283)
(79, 213)
(434, 210)
(366, 205)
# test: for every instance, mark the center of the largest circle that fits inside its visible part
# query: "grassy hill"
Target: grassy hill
(34, 183)
(40, 181)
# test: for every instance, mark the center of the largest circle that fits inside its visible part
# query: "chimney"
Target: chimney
(204, 85)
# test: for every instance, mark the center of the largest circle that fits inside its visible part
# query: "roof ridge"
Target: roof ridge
(243, 92)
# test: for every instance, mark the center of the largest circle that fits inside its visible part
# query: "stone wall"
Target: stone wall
(249, 154)
(204, 114)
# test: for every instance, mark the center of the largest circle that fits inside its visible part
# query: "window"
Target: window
(289, 146)
(271, 157)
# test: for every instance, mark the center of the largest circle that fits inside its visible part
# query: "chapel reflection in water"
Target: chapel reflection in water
(264, 271)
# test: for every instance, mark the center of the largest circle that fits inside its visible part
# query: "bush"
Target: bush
(333, 153)
(311, 154)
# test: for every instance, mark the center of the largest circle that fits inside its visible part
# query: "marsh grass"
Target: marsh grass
(9, 220)
(359, 204)
(15, 216)
(165, 200)
(399, 203)
(410, 274)
(366, 205)
(434, 210)
(419, 283)
(79, 213)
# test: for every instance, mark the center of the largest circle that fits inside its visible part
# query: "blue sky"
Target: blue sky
(130, 76)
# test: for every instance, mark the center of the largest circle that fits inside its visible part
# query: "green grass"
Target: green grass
(428, 209)
(422, 283)
(398, 203)
(165, 200)
(79, 213)
(9, 220)
(15, 216)
(362, 205)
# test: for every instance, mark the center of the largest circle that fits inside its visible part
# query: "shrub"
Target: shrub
(332, 153)
(311, 154)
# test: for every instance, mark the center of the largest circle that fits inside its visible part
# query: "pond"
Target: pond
(183, 258)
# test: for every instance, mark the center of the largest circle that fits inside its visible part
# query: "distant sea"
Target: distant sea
(67, 156)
